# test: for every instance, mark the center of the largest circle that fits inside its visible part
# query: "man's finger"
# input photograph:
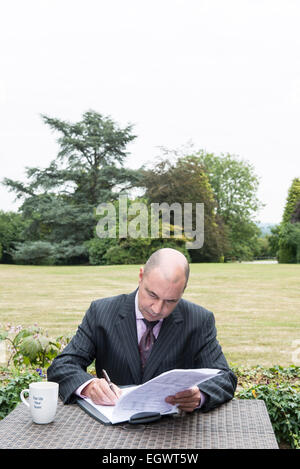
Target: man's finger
(100, 394)
(109, 395)
(186, 400)
(187, 393)
(186, 408)
(116, 390)
(99, 391)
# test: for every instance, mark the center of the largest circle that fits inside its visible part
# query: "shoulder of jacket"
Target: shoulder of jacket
(189, 307)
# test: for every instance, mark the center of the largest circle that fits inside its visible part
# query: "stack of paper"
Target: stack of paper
(150, 396)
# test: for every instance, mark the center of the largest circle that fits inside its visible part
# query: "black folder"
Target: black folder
(141, 417)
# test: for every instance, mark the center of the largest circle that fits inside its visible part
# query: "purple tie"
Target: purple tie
(147, 341)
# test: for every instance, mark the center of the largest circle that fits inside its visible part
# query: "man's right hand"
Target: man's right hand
(100, 393)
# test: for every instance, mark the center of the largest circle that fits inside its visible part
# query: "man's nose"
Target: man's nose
(157, 306)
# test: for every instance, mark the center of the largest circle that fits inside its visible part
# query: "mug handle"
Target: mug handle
(23, 398)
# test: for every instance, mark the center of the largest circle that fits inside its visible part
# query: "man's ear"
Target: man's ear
(141, 274)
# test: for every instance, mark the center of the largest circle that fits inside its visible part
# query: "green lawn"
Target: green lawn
(257, 306)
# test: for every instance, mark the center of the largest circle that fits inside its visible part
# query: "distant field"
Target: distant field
(257, 306)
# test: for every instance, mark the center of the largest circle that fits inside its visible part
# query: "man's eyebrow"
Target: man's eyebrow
(153, 293)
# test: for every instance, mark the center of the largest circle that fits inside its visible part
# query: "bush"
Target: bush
(33, 253)
(30, 346)
(13, 384)
(279, 388)
(11, 231)
(286, 255)
(283, 405)
(129, 251)
(105, 251)
(46, 253)
(97, 248)
(66, 253)
(289, 243)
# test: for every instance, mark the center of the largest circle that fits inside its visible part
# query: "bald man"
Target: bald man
(112, 331)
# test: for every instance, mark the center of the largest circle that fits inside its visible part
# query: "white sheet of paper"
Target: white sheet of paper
(150, 396)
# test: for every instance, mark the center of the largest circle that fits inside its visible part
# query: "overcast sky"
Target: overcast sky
(223, 74)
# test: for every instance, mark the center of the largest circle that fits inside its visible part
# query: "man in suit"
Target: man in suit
(113, 330)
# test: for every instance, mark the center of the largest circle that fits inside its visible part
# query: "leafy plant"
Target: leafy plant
(10, 392)
(250, 376)
(30, 346)
(283, 405)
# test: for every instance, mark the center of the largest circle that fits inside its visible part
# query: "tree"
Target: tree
(273, 239)
(262, 248)
(233, 200)
(295, 217)
(289, 243)
(243, 238)
(292, 200)
(181, 182)
(289, 231)
(234, 185)
(60, 200)
(137, 247)
(11, 232)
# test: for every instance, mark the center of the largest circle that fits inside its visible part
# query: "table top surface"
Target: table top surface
(235, 424)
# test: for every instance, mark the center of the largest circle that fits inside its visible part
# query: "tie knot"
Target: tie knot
(150, 324)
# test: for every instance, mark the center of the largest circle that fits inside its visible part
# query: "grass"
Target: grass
(256, 306)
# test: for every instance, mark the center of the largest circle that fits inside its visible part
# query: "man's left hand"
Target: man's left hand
(187, 400)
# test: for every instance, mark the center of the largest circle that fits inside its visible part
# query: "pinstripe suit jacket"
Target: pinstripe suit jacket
(108, 334)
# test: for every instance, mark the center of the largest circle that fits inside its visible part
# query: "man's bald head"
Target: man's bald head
(172, 264)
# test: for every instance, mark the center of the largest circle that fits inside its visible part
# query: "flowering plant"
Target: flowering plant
(29, 346)
(12, 382)
(283, 404)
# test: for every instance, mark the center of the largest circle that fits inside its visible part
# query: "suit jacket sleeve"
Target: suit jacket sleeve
(221, 388)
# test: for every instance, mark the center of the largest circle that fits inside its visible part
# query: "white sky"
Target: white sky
(223, 74)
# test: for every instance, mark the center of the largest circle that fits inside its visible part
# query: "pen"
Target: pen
(107, 379)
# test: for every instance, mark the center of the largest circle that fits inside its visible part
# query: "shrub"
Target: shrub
(33, 253)
(289, 243)
(129, 251)
(106, 251)
(46, 253)
(66, 253)
(97, 247)
(10, 391)
(11, 231)
(30, 346)
(280, 389)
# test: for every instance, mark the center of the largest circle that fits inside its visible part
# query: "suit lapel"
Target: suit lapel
(126, 329)
(169, 333)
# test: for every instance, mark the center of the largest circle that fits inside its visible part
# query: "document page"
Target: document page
(150, 396)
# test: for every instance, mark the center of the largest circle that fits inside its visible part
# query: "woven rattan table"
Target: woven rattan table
(236, 424)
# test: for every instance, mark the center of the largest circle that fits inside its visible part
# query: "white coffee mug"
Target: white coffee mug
(42, 400)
